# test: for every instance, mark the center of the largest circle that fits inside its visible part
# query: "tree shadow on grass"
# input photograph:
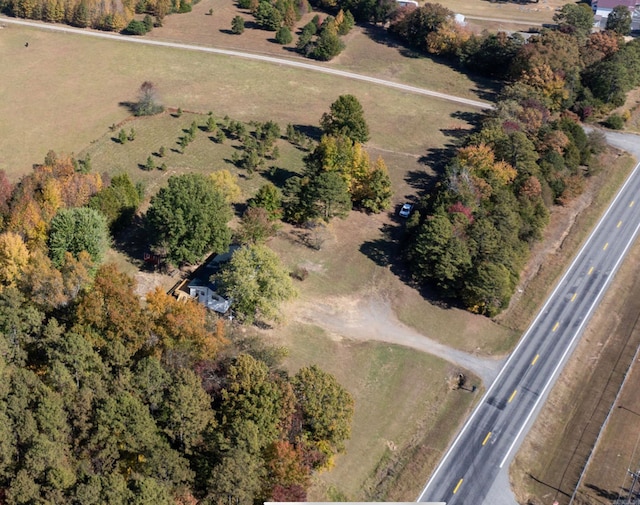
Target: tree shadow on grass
(132, 241)
(379, 34)
(278, 176)
(437, 158)
(313, 132)
(420, 180)
(473, 118)
(387, 250)
(604, 493)
(130, 106)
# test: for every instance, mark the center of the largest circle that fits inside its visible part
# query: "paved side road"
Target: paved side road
(240, 54)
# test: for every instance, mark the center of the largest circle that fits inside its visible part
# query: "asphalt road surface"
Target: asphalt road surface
(486, 443)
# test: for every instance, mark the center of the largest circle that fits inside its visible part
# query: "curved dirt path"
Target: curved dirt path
(372, 318)
(252, 56)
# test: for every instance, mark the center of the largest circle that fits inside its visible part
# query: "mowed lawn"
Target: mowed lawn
(64, 90)
(405, 414)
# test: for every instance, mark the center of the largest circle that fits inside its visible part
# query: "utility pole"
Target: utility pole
(632, 490)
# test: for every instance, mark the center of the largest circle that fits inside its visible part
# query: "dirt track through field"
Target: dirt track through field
(246, 55)
(372, 318)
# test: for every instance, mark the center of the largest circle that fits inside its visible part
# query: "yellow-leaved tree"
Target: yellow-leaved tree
(14, 257)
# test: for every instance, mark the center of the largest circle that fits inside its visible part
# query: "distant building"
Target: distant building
(200, 286)
(407, 3)
(459, 18)
(602, 9)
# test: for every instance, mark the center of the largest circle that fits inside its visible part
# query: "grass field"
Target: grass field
(397, 391)
(541, 12)
(203, 155)
(58, 95)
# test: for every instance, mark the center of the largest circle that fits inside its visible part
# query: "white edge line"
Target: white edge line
(526, 334)
(569, 347)
(256, 57)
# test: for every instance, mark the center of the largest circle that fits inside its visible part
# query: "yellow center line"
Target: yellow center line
(512, 395)
(605, 246)
(486, 438)
(535, 359)
(574, 296)
(619, 223)
(455, 490)
(556, 326)
(590, 270)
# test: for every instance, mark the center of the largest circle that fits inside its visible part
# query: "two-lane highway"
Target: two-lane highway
(487, 441)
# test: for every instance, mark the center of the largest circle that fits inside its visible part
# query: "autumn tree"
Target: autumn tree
(286, 466)
(188, 218)
(6, 189)
(43, 282)
(257, 282)
(346, 117)
(255, 226)
(14, 258)
(112, 309)
(227, 183)
(599, 46)
(414, 25)
(375, 193)
(179, 330)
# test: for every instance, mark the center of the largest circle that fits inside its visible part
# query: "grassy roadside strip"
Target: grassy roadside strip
(608, 181)
(555, 451)
(617, 451)
(405, 413)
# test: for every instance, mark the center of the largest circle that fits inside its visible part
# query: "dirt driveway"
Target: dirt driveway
(372, 318)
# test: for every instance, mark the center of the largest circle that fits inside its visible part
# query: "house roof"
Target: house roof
(610, 4)
(202, 278)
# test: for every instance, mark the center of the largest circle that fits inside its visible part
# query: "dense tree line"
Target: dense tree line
(104, 400)
(589, 71)
(491, 202)
(107, 402)
(113, 15)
